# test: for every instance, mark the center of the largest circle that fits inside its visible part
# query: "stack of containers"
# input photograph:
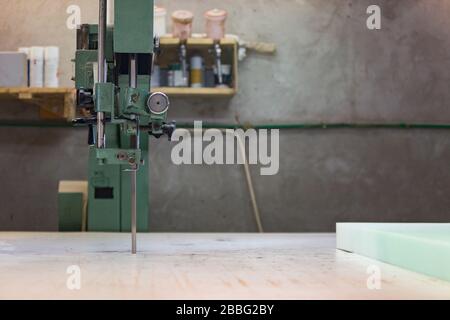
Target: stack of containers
(43, 65)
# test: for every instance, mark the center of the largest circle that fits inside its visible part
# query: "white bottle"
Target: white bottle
(36, 67)
(197, 71)
(159, 26)
(51, 67)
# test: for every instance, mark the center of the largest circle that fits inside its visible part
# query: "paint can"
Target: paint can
(36, 67)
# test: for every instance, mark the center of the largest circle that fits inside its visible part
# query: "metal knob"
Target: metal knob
(158, 103)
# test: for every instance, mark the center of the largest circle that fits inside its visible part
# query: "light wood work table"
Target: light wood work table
(198, 266)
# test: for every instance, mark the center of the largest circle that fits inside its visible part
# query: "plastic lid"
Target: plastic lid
(216, 14)
(160, 11)
(183, 16)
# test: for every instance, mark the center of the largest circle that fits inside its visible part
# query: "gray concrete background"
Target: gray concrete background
(329, 68)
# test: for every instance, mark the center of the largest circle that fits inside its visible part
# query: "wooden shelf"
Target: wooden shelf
(54, 103)
(170, 55)
(35, 90)
(165, 41)
(182, 92)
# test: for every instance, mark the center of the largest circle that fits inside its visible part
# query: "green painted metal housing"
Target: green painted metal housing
(109, 199)
(133, 26)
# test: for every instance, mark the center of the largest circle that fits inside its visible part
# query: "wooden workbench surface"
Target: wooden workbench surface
(198, 266)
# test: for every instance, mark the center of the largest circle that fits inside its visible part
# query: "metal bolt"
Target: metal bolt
(122, 156)
(134, 97)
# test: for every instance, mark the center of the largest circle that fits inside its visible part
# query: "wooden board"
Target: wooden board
(419, 247)
(198, 266)
(54, 103)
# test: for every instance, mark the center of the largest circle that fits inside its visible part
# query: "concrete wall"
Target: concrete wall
(329, 68)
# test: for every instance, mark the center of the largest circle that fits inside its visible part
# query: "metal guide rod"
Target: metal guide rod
(218, 51)
(101, 68)
(134, 145)
(133, 212)
(183, 57)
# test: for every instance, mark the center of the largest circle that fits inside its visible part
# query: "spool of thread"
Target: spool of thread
(51, 56)
(215, 23)
(26, 50)
(37, 67)
(159, 28)
(197, 72)
(182, 24)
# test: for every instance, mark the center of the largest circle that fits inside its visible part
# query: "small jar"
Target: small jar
(215, 24)
(182, 24)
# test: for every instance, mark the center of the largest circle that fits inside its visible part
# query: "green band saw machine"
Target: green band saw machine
(113, 67)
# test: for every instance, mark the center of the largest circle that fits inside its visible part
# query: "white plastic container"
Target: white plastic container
(160, 27)
(36, 67)
(51, 56)
(26, 50)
